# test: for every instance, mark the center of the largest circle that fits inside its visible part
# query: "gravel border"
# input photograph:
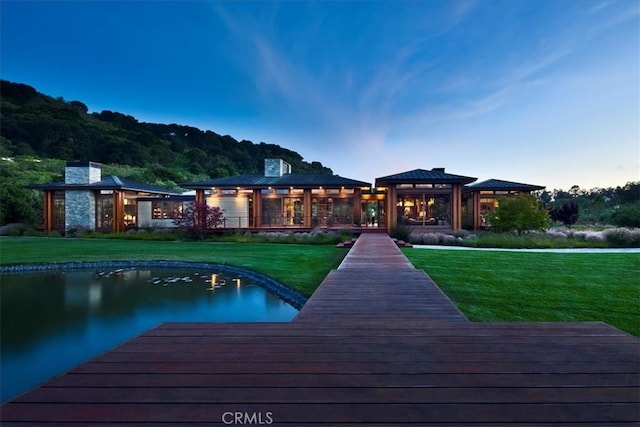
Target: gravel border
(281, 291)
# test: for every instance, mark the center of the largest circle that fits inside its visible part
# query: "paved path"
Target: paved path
(377, 344)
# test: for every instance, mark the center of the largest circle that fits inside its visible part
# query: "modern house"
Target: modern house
(483, 197)
(86, 200)
(279, 198)
(425, 198)
(276, 199)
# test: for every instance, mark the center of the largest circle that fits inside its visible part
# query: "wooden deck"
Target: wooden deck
(377, 344)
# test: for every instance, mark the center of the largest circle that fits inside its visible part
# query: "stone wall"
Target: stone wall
(276, 167)
(80, 205)
(80, 210)
(82, 173)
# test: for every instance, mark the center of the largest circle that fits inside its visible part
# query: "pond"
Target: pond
(52, 321)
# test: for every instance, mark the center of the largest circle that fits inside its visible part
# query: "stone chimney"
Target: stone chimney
(82, 173)
(438, 170)
(276, 167)
(80, 204)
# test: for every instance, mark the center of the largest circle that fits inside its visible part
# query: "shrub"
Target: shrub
(401, 232)
(79, 232)
(623, 237)
(198, 218)
(627, 216)
(520, 214)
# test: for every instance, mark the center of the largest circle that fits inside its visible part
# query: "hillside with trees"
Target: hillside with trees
(39, 133)
(37, 124)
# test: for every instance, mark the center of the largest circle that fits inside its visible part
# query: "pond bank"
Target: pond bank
(283, 292)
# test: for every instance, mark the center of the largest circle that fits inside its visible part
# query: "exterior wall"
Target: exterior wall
(235, 210)
(80, 210)
(145, 216)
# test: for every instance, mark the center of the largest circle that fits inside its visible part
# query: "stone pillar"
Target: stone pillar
(80, 204)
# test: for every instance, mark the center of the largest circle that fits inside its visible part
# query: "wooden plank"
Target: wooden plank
(323, 413)
(378, 343)
(241, 379)
(334, 395)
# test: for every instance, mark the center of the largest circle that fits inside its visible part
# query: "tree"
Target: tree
(568, 213)
(520, 214)
(198, 218)
(627, 215)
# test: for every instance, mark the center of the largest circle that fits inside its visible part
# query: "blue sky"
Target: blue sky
(543, 92)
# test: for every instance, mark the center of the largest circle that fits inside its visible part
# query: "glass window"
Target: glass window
(272, 211)
(294, 211)
(130, 213)
(342, 211)
(104, 211)
(424, 209)
(321, 211)
(166, 209)
(58, 210)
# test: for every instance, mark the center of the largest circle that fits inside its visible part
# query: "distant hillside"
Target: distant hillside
(37, 124)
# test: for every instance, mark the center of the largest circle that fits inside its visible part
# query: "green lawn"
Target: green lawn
(486, 285)
(521, 286)
(302, 267)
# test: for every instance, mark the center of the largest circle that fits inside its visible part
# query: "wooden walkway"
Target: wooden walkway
(377, 344)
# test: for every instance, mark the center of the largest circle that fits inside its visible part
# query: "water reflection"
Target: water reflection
(50, 322)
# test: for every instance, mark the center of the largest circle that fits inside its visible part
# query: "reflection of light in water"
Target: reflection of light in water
(95, 295)
(213, 282)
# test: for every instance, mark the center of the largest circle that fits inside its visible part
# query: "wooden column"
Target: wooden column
(118, 212)
(392, 211)
(306, 205)
(356, 209)
(475, 206)
(257, 208)
(49, 211)
(200, 198)
(456, 207)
